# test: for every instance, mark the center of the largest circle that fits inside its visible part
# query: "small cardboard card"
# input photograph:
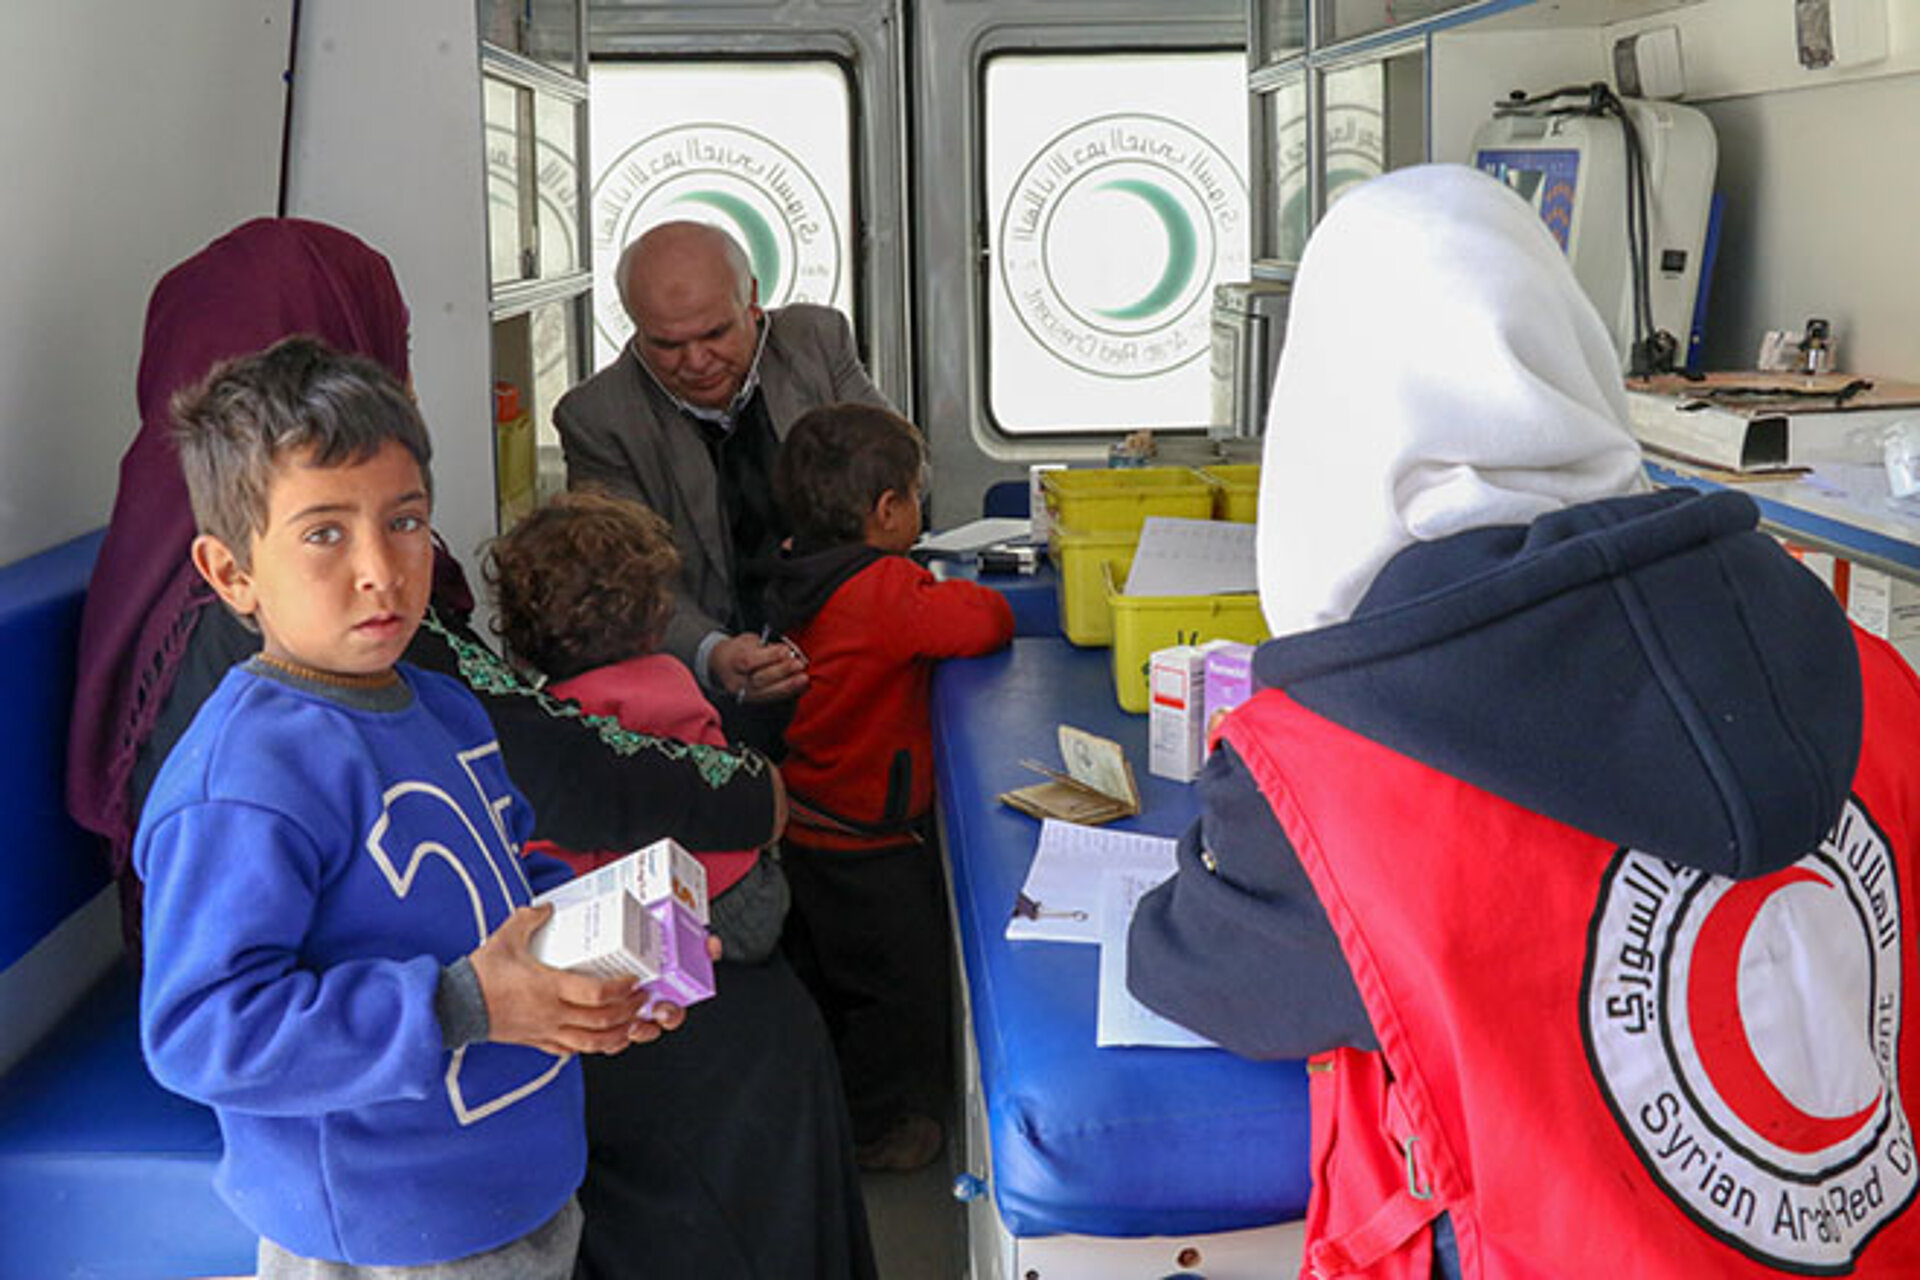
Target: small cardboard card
(1097, 787)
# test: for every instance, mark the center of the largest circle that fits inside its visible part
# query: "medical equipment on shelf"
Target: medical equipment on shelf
(1626, 187)
(1249, 328)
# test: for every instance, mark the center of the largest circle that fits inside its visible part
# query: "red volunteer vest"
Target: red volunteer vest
(1594, 1060)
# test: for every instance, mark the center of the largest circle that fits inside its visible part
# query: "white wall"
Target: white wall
(1820, 179)
(387, 144)
(1817, 166)
(1822, 188)
(135, 134)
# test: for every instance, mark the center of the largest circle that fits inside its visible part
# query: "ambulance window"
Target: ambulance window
(1116, 198)
(1373, 120)
(1346, 19)
(762, 148)
(1289, 210)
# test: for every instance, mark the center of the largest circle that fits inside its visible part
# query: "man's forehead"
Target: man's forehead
(679, 324)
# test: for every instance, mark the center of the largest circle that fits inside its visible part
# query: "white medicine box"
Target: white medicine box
(1176, 714)
(607, 935)
(653, 874)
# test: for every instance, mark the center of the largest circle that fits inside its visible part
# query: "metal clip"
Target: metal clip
(1025, 908)
(1414, 1188)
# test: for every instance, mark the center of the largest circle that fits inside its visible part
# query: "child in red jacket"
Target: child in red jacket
(868, 930)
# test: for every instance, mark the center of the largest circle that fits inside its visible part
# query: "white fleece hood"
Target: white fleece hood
(1442, 371)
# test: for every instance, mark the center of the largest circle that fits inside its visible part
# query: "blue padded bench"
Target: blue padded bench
(1085, 1141)
(102, 1172)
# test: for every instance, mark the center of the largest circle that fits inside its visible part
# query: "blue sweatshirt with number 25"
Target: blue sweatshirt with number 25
(313, 859)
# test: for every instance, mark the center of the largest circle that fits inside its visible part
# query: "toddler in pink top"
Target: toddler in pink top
(583, 587)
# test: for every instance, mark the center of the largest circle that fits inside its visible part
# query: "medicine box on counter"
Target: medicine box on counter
(1142, 625)
(1229, 678)
(1176, 712)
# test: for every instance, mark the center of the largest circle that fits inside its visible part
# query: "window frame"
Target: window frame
(985, 224)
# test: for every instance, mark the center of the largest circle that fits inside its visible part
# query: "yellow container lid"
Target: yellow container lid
(1091, 499)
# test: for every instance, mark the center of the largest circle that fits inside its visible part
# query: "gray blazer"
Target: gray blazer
(620, 432)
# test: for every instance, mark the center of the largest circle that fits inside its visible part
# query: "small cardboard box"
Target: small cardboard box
(1229, 680)
(1884, 605)
(686, 970)
(607, 935)
(643, 915)
(611, 935)
(1176, 712)
(653, 874)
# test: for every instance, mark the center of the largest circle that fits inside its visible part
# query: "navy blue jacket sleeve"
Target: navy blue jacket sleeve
(1236, 945)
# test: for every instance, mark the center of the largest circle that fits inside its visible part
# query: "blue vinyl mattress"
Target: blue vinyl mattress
(1085, 1140)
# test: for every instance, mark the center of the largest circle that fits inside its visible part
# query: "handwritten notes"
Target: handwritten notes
(1122, 1020)
(1192, 558)
(1063, 883)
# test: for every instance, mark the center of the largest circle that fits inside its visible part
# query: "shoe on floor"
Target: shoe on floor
(910, 1143)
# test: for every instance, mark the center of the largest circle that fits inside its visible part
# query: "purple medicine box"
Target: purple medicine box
(1229, 679)
(686, 970)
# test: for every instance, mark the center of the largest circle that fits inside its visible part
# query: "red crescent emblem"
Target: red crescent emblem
(1720, 1032)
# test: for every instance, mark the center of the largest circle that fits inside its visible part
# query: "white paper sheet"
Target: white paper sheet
(1192, 558)
(1063, 882)
(970, 537)
(1122, 1020)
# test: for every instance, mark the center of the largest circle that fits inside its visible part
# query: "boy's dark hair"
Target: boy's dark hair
(234, 427)
(585, 580)
(836, 462)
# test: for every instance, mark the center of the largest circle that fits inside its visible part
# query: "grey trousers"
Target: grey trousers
(545, 1253)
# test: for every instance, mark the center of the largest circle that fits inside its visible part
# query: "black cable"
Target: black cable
(286, 111)
(1651, 350)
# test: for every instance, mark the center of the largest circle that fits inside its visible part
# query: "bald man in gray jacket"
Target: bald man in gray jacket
(688, 420)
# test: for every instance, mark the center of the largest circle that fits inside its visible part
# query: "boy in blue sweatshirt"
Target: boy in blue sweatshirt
(336, 918)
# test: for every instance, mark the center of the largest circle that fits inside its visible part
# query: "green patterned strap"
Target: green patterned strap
(485, 672)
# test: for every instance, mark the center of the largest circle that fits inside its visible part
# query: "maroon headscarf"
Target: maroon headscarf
(265, 280)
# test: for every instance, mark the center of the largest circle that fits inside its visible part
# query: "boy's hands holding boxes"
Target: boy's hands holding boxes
(642, 918)
(531, 1003)
(610, 958)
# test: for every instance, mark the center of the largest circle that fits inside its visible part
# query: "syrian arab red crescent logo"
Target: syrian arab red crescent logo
(1716, 1015)
(1746, 1036)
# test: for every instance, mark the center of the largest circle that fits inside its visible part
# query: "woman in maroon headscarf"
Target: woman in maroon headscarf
(759, 1131)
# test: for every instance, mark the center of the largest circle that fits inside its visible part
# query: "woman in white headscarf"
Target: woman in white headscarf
(1521, 837)
(1442, 372)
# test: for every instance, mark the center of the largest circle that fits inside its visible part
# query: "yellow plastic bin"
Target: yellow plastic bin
(1079, 559)
(1236, 490)
(1119, 498)
(1144, 624)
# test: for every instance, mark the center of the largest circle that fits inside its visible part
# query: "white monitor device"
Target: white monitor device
(1573, 168)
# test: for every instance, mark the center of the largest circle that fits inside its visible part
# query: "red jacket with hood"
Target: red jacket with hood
(859, 766)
